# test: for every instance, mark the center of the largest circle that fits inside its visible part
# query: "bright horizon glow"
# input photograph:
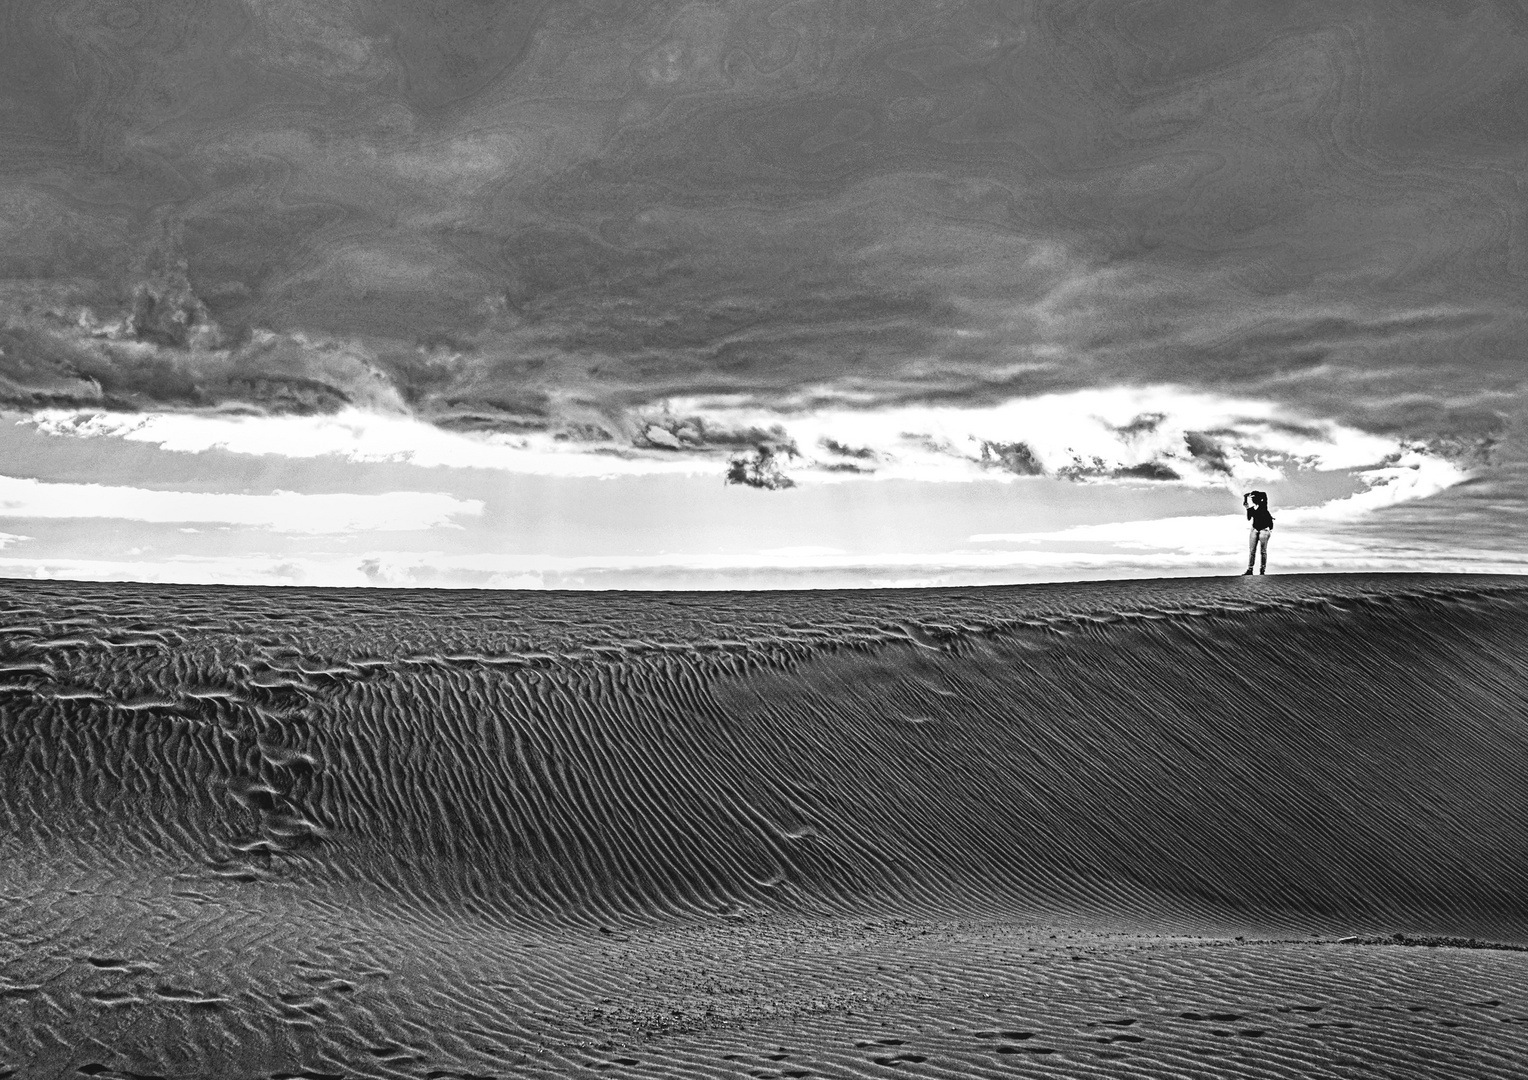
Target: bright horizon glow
(440, 486)
(705, 571)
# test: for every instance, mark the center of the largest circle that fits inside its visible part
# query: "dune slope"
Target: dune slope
(460, 781)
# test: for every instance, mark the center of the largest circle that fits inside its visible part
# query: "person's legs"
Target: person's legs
(1263, 537)
(1251, 550)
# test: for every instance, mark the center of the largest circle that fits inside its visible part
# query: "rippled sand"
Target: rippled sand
(1212, 827)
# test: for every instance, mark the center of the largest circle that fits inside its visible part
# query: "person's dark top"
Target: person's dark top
(1259, 516)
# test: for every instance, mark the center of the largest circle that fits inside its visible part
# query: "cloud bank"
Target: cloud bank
(551, 218)
(1117, 434)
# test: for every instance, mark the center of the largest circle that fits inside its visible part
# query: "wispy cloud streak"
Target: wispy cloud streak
(282, 511)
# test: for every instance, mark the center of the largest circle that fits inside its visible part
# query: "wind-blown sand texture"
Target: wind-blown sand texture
(1213, 827)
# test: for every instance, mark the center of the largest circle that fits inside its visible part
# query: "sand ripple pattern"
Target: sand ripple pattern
(453, 782)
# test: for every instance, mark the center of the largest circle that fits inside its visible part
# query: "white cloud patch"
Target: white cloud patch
(283, 511)
(1118, 434)
(1115, 434)
(363, 436)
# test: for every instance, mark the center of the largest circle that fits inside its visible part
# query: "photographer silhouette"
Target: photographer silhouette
(1256, 504)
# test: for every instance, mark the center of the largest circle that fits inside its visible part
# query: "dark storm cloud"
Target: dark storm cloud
(1204, 447)
(527, 216)
(1017, 458)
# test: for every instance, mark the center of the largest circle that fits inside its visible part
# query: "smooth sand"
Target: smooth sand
(1223, 827)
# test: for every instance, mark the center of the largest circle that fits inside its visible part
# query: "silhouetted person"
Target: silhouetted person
(1256, 503)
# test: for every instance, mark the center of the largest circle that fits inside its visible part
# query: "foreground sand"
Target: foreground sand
(1215, 827)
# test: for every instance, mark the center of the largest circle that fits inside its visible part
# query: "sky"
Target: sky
(753, 294)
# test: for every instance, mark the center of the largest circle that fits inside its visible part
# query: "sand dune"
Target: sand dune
(1203, 827)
